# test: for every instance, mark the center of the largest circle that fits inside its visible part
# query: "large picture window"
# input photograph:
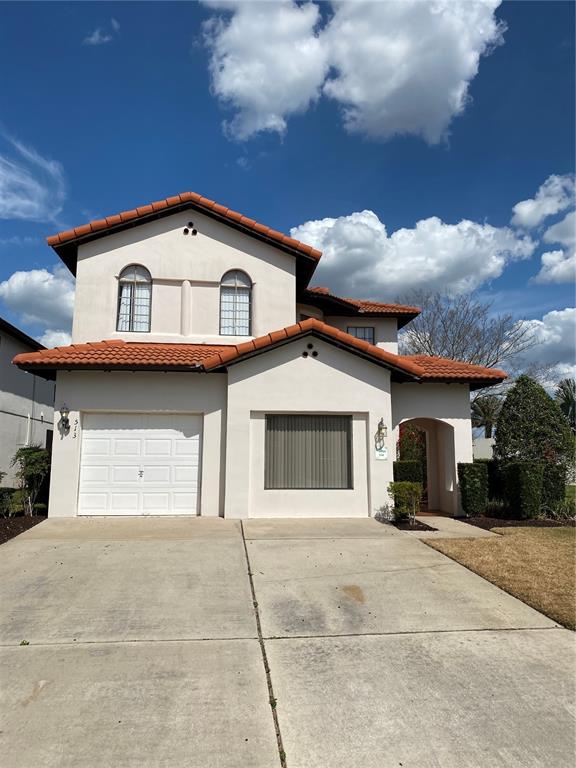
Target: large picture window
(134, 299)
(308, 451)
(235, 304)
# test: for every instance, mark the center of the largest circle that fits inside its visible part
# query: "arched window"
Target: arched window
(134, 299)
(235, 304)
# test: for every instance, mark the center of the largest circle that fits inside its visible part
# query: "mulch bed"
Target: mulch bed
(12, 526)
(416, 526)
(503, 522)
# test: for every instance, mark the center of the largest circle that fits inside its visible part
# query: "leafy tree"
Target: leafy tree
(464, 328)
(485, 412)
(566, 399)
(32, 467)
(531, 426)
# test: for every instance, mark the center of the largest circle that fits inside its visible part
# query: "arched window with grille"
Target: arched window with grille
(134, 299)
(235, 304)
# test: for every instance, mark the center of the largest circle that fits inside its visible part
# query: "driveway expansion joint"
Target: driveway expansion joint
(409, 632)
(272, 698)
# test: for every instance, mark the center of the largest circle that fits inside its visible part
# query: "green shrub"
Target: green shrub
(406, 497)
(495, 478)
(553, 485)
(473, 481)
(408, 471)
(523, 487)
(5, 496)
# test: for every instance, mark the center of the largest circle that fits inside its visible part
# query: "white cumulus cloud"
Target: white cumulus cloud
(361, 259)
(266, 62)
(394, 67)
(557, 267)
(563, 231)
(556, 337)
(555, 195)
(41, 297)
(32, 187)
(52, 338)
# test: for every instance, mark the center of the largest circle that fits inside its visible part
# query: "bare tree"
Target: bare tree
(464, 328)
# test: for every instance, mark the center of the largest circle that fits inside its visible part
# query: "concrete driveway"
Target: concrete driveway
(161, 642)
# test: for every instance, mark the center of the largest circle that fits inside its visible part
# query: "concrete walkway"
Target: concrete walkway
(161, 642)
(449, 528)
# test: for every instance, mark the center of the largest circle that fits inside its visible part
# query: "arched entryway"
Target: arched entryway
(442, 480)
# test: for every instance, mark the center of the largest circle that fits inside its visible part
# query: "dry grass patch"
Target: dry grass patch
(537, 565)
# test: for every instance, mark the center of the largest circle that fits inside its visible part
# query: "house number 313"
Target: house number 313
(75, 430)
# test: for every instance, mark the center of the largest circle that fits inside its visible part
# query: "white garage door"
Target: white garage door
(139, 464)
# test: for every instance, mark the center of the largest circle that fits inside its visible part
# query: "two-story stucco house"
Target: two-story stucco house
(206, 377)
(26, 402)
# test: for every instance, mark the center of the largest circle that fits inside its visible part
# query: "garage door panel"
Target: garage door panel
(123, 503)
(183, 501)
(139, 464)
(157, 447)
(156, 474)
(127, 447)
(156, 502)
(187, 447)
(125, 473)
(94, 503)
(186, 474)
(96, 447)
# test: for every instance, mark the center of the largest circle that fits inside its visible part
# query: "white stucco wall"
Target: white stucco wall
(140, 392)
(282, 381)
(186, 272)
(26, 406)
(443, 410)
(385, 329)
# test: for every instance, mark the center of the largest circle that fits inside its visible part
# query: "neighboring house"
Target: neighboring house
(483, 447)
(26, 401)
(207, 377)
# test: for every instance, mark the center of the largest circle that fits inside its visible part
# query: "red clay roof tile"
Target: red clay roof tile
(104, 355)
(69, 235)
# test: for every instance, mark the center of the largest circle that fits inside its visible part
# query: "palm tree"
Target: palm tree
(485, 412)
(566, 399)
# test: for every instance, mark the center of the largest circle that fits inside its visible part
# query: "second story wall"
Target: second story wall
(186, 271)
(385, 329)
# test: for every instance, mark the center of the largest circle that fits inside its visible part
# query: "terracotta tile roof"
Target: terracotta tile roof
(444, 368)
(185, 199)
(115, 353)
(118, 354)
(362, 306)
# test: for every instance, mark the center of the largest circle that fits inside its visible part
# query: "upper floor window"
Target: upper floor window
(366, 333)
(235, 304)
(134, 299)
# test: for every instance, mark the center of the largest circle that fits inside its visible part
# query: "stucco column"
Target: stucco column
(185, 307)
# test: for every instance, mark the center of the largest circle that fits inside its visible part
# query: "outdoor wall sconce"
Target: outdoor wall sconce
(64, 418)
(381, 433)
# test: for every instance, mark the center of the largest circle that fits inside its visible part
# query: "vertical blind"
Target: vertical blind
(308, 451)
(134, 299)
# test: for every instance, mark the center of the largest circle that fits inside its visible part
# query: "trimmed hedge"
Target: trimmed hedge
(5, 498)
(473, 481)
(523, 487)
(495, 478)
(408, 472)
(553, 485)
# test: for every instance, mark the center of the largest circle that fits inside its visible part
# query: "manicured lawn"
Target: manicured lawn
(534, 564)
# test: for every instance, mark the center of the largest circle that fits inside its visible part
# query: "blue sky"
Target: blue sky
(106, 106)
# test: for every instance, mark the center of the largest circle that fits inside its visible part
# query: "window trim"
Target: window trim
(351, 328)
(350, 453)
(132, 296)
(250, 292)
